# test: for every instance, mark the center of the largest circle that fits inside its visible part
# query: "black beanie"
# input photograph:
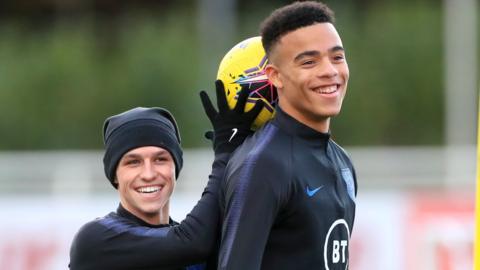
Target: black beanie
(136, 128)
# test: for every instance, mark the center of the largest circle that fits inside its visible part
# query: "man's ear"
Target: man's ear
(273, 75)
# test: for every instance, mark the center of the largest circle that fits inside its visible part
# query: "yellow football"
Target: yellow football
(243, 67)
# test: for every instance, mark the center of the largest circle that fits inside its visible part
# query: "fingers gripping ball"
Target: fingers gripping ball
(243, 67)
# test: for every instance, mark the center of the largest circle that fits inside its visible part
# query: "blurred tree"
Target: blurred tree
(66, 66)
(396, 87)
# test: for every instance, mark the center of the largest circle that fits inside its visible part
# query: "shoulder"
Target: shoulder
(87, 233)
(265, 144)
(86, 243)
(339, 150)
(265, 154)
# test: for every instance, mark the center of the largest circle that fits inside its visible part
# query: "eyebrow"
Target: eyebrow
(316, 53)
(129, 157)
(135, 155)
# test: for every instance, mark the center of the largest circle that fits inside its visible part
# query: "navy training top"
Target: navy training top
(288, 200)
(121, 240)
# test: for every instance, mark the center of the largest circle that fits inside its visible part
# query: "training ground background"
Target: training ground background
(415, 210)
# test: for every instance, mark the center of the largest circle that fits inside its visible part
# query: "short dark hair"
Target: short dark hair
(291, 17)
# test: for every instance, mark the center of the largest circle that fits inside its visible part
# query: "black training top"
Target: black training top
(120, 240)
(288, 200)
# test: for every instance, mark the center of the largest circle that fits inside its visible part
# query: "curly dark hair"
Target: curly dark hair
(291, 17)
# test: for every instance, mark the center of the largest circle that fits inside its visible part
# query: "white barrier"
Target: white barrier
(393, 230)
(46, 196)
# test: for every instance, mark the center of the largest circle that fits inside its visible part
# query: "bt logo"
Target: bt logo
(338, 255)
(335, 251)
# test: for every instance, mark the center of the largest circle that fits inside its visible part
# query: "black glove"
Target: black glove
(230, 126)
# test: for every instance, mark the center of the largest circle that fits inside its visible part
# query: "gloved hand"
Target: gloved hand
(230, 126)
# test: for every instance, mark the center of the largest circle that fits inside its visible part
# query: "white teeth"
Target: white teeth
(148, 189)
(327, 89)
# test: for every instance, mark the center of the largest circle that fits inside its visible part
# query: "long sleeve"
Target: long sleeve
(251, 207)
(112, 243)
(255, 191)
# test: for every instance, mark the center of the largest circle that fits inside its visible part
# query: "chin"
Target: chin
(328, 113)
(151, 210)
(335, 113)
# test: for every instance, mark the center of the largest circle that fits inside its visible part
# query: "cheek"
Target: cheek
(119, 178)
(173, 178)
(168, 173)
(122, 183)
(173, 186)
(122, 187)
(289, 82)
(345, 72)
(173, 173)
(124, 178)
(171, 181)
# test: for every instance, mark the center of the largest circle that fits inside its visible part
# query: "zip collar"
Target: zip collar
(295, 128)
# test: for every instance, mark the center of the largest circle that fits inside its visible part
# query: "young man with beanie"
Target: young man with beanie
(142, 159)
(289, 193)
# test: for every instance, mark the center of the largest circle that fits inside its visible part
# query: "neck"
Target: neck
(165, 214)
(319, 124)
(162, 217)
(158, 218)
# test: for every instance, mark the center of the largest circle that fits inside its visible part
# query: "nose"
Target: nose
(148, 172)
(327, 69)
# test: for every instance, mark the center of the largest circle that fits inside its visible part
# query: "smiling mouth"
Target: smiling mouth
(151, 189)
(326, 89)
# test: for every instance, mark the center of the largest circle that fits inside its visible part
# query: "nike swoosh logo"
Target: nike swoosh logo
(311, 192)
(235, 130)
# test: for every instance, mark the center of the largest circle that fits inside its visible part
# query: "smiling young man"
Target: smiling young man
(143, 157)
(142, 160)
(146, 180)
(288, 201)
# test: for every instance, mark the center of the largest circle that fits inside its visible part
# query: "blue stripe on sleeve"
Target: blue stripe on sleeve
(196, 267)
(119, 226)
(238, 202)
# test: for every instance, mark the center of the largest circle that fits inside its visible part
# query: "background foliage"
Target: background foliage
(63, 73)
